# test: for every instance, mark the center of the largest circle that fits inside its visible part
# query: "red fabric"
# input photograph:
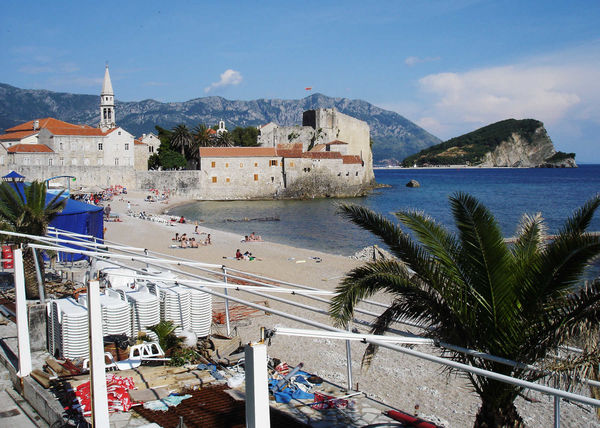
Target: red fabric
(117, 391)
(323, 401)
(408, 419)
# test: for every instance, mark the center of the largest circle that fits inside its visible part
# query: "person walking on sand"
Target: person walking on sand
(107, 211)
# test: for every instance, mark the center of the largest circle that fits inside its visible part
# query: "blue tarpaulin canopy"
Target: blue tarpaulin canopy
(77, 217)
(13, 175)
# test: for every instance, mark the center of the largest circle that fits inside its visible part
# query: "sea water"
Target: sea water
(316, 224)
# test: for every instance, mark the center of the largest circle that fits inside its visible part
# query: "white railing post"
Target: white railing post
(97, 369)
(22, 321)
(349, 362)
(226, 303)
(257, 391)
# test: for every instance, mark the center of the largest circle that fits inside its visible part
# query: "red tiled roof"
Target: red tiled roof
(289, 150)
(322, 155)
(337, 142)
(318, 148)
(17, 135)
(29, 148)
(139, 142)
(237, 152)
(57, 127)
(211, 131)
(351, 159)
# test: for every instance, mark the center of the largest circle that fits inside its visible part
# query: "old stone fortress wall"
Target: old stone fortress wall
(329, 151)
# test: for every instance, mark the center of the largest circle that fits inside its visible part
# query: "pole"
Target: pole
(97, 369)
(349, 362)
(226, 302)
(257, 392)
(22, 322)
(38, 274)
(556, 411)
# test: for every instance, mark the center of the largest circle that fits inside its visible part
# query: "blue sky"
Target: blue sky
(449, 66)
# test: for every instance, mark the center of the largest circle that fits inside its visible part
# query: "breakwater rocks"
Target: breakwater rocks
(372, 253)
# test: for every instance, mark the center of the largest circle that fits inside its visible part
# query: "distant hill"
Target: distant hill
(508, 143)
(394, 136)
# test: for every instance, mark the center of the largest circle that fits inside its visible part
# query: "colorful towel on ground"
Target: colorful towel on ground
(116, 390)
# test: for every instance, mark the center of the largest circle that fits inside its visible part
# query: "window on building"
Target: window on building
(226, 165)
(273, 162)
(60, 146)
(255, 177)
(291, 163)
(357, 173)
(99, 146)
(119, 132)
(109, 116)
(50, 161)
(241, 165)
(126, 146)
(62, 161)
(105, 117)
(255, 163)
(74, 162)
(25, 161)
(100, 161)
(116, 161)
(213, 164)
(272, 179)
(214, 179)
(151, 149)
(227, 180)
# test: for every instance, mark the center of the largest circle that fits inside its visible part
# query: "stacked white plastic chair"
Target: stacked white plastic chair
(200, 312)
(116, 312)
(67, 328)
(145, 311)
(174, 304)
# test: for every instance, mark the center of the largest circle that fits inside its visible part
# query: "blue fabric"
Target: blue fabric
(13, 174)
(77, 217)
(288, 393)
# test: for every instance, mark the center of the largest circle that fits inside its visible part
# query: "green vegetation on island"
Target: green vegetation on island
(470, 149)
(560, 156)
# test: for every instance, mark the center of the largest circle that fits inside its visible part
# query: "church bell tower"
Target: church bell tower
(107, 104)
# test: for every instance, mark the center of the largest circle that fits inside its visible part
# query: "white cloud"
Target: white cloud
(228, 78)
(557, 89)
(414, 60)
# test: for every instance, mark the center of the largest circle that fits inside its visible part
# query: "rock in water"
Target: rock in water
(413, 183)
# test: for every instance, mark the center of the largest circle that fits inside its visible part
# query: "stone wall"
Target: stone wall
(184, 183)
(86, 176)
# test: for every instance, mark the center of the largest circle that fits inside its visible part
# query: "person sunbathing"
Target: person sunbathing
(176, 237)
(193, 243)
(207, 240)
(184, 243)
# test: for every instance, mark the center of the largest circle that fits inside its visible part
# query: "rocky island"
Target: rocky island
(508, 143)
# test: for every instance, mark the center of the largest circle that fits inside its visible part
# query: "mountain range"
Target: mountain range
(394, 137)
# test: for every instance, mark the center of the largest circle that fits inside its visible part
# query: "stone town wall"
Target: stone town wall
(103, 176)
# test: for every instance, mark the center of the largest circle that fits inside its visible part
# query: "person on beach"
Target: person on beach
(196, 230)
(184, 237)
(176, 237)
(107, 211)
(238, 254)
(182, 220)
(184, 243)
(193, 243)
(207, 240)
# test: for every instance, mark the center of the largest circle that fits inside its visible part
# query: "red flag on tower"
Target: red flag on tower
(308, 88)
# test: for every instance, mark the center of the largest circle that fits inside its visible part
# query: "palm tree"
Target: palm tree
(224, 140)
(181, 138)
(472, 289)
(25, 210)
(201, 136)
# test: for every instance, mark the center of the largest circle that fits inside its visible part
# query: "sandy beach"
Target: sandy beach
(398, 380)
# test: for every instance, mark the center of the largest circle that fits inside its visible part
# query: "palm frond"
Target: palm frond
(581, 218)
(486, 257)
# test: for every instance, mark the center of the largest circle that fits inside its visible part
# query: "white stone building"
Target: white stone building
(53, 144)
